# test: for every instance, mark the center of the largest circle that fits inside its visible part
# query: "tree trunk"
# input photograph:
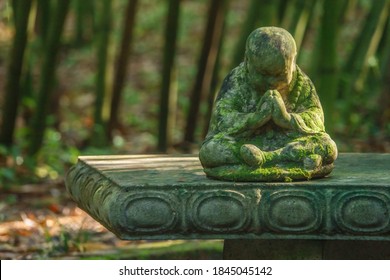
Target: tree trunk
(99, 133)
(358, 57)
(385, 98)
(259, 11)
(384, 49)
(47, 75)
(80, 13)
(122, 64)
(165, 121)
(381, 80)
(12, 89)
(373, 46)
(327, 85)
(215, 81)
(211, 42)
(42, 22)
(84, 22)
(299, 23)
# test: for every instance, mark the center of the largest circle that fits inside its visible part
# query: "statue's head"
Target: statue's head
(270, 58)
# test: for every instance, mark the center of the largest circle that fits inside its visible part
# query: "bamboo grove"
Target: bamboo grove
(344, 46)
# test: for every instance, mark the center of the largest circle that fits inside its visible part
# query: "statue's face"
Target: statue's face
(270, 75)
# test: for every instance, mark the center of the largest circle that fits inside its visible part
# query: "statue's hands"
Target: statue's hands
(263, 112)
(265, 105)
(279, 112)
(265, 99)
(271, 106)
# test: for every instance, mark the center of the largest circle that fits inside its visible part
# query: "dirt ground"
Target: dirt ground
(41, 222)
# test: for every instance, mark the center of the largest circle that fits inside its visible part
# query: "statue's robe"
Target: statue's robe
(237, 101)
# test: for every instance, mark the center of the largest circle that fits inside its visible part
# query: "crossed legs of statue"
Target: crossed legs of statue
(312, 151)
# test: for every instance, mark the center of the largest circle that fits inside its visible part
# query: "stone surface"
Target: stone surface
(267, 123)
(169, 197)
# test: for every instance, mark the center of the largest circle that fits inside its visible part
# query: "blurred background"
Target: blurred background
(84, 77)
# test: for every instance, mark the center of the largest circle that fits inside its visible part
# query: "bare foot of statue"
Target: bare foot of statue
(312, 162)
(252, 155)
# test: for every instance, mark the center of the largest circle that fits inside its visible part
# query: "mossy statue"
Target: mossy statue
(268, 123)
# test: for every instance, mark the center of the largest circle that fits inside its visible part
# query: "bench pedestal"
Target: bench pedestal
(169, 197)
(262, 249)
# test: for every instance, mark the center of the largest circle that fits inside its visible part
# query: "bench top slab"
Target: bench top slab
(165, 170)
(169, 197)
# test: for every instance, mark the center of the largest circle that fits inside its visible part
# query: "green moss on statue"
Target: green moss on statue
(268, 124)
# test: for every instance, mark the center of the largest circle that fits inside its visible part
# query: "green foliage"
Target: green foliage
(53, 165)
(51, 162)
(51, 48)
(15, 64)
(9, 160)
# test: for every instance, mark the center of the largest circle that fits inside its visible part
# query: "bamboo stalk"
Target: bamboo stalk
(357, 58)
(43, 18)
(207, 59)
(373, 46)
(262, 12)
(171, 30)
(99, 133)
(80, 13)
(215, 81)
(12, 89)
(384, 49)
(122, 63)
(298, 26)
(328, 61)
(47, 78)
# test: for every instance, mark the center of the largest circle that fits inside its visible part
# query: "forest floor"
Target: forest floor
(39, 221)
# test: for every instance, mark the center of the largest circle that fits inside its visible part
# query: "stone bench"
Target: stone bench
(346, 215)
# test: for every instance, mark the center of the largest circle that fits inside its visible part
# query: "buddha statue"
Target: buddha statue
(267, 123)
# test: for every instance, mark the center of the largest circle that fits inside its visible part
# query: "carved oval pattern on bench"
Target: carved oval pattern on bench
(150, 212)
(363, 212)
(223, 211)
(293, 211)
